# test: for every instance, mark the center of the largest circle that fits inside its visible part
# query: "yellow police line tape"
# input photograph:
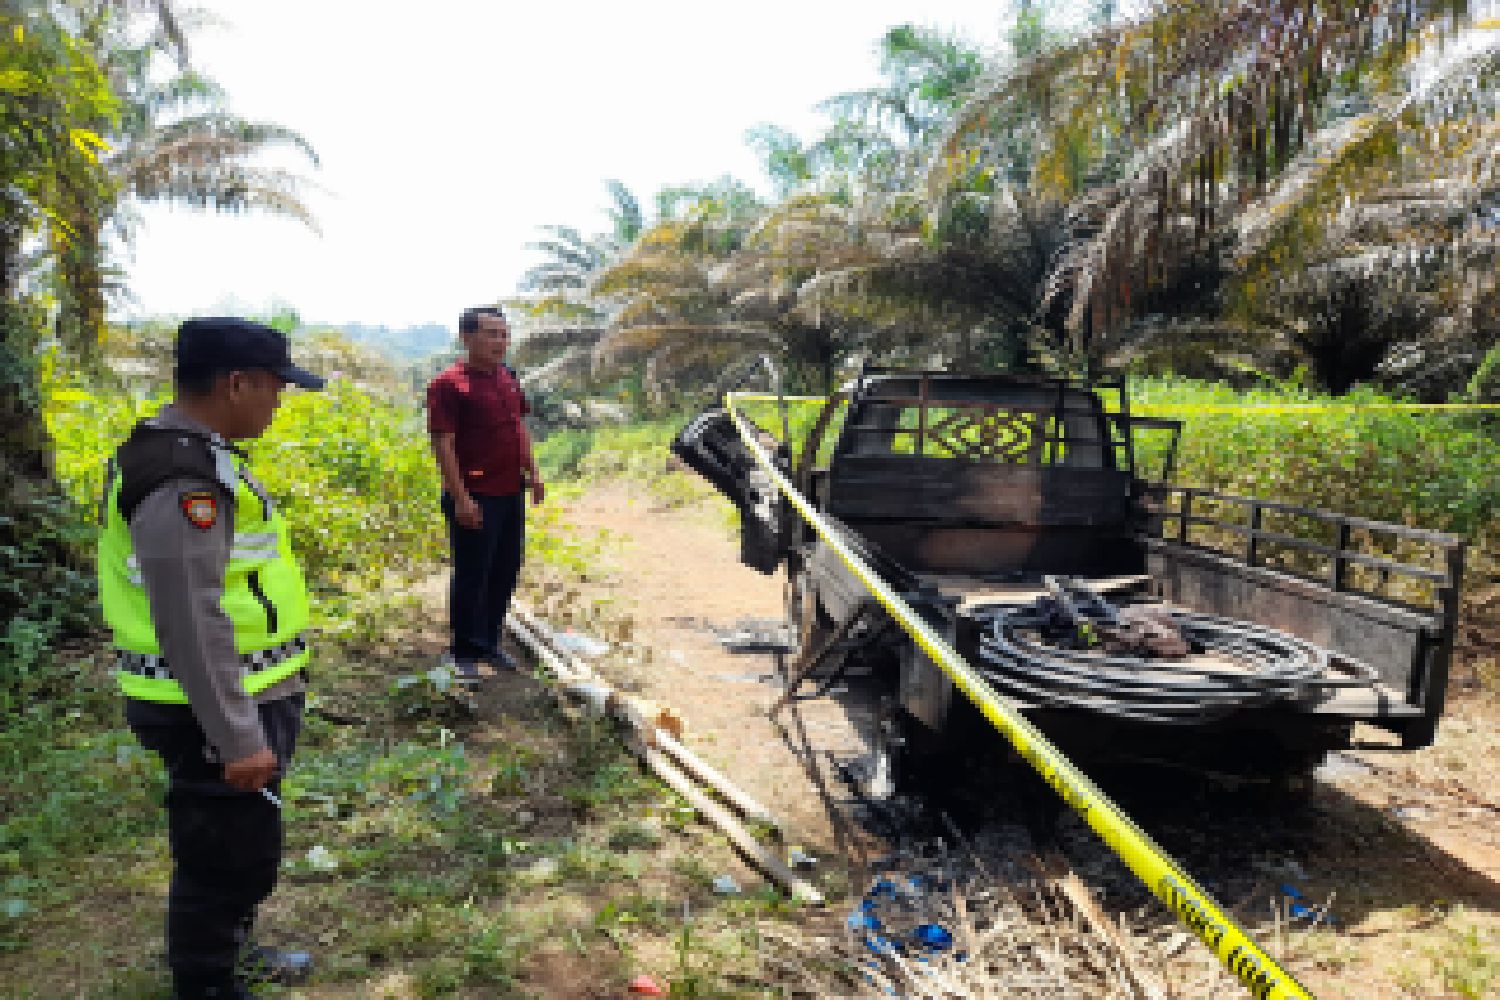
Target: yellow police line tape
(1304, 407)
(1259, 973)
(1238, 408)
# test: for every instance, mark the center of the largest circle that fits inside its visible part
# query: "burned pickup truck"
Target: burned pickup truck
(1127, 616)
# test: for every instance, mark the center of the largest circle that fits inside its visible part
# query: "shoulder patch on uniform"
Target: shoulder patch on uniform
(200, 507)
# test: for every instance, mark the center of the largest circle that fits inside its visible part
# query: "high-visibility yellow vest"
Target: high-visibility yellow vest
(264, 596)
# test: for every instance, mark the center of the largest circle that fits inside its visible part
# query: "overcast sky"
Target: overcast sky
(450, 130)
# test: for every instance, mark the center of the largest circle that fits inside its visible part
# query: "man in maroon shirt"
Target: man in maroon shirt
(474, 413)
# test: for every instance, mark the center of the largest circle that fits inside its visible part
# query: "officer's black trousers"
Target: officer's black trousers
(226, 844)
(486, 562)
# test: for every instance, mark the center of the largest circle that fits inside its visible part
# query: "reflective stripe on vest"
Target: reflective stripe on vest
(153, 667)
(264, 597)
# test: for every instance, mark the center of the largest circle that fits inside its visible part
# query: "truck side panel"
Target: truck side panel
(1408, 649)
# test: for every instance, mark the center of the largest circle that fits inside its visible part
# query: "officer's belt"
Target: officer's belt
(154, 667)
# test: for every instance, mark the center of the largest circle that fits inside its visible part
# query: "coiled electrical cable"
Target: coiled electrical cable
(1243, 665)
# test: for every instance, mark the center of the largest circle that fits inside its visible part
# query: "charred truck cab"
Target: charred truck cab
(1127, 616)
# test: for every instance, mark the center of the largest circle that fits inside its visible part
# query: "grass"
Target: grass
(522, 853)
(1469, 964)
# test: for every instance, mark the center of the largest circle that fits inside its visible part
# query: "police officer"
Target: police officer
(209, 610)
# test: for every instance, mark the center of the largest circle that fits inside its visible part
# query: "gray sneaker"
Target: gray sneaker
(463, 669)
(262, 964)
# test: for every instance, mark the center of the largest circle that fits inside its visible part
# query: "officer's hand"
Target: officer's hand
(538, 491)
(467, 513)
(252, 773)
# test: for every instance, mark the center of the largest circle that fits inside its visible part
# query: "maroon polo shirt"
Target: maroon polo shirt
(482, 410)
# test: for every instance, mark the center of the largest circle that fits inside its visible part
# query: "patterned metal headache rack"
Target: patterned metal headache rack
(989, 434)
(996, 419)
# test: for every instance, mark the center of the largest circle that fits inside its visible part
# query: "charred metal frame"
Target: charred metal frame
(1012, 514)
(1327, 608)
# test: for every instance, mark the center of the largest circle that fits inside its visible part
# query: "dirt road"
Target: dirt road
(678, 577)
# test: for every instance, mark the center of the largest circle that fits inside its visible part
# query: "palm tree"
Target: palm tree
(1165, 132)
(54, 102)
(564, 315)
(571, 260)
(960, 285)
(881, 135)
(1387, 222)
(675, 287)
(719, 277)
(176, 142)
(819, 281)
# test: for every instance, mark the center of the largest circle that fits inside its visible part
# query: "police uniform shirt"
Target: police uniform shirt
(182, 567)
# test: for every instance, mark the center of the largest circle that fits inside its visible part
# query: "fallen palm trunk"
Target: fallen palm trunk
(656, 730)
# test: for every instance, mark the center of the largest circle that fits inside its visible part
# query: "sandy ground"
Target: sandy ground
(678, 577)
(1406, 846)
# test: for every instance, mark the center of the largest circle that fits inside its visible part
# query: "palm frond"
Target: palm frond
(204, 182)
(582, 258)
(186, 89)
(627, 221)
(626, 343)
(567, 234)
(1204, 103)
(251, 137)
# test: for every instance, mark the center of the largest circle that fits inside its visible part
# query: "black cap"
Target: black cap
(226, 343)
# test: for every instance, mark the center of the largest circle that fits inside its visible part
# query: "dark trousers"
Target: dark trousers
(486, 563)
(226, 844)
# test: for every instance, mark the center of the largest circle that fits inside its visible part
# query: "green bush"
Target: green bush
(350, 470)
(1355, 454)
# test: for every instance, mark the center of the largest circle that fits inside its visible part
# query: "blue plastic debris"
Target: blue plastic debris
(884, 887)
(880, 944)
(934, 936)
(1298, 910)
(863, 920)
(1301, 911)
